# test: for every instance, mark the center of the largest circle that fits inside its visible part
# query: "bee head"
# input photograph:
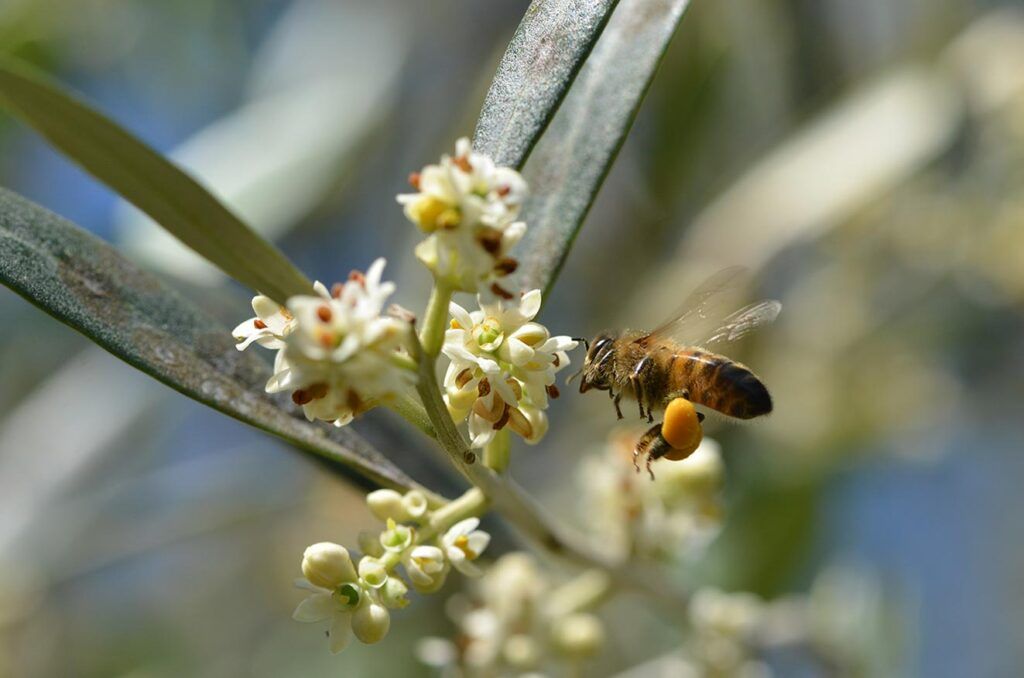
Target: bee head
(596, 364)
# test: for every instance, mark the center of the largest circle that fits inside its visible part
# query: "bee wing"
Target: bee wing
(743, 321)
(707, 316)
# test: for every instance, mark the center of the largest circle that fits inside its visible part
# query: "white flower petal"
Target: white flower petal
(529, 306)
(340, 633)
(461, 528)
(314, 608)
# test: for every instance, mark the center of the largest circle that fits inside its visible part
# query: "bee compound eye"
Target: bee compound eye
(681, 429)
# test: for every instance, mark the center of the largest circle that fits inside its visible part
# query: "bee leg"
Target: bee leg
(616, 399)
(653, 445)
(637, 381)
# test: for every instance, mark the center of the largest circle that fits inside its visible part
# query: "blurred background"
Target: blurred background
(865, 160)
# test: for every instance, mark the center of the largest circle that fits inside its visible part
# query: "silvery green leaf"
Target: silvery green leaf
(299, 129)
(87, 285)
(155, 185)
(571, 161)
(539, 65)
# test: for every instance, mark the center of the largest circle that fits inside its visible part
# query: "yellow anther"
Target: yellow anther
(462, 543)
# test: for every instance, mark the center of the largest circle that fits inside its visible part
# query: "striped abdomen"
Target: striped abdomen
(719, 383)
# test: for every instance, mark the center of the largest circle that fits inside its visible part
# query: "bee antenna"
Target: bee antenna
(574, 375)
(582, 340)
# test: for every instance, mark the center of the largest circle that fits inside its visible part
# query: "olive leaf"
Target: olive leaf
(546, 52)
(570, 162)
(86, 284)
(151, 182)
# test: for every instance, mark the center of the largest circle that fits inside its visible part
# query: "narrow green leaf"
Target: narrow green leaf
(86, 284)
(569, 164)
(545, 54)
(155, 185)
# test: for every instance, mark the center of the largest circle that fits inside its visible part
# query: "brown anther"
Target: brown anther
(552, 390)
(259, 324)
(500, 291)
(556, 360)
(324, 313)
(495, 412)
(301, 397)
(483, 387)
(354, 402)
(500, 424)
(503, 191)
(414, 180)
(463, 377)
(506, 265)
(518, 422)
(357, 276)
(326, 340)
(336, 290)
(516, 388)
(317, 391)
(490, 240)
(462, 162)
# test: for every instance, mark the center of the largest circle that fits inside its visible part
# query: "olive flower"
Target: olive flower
(463, 544)
(468, 207)
(338, 354)
(503, 367)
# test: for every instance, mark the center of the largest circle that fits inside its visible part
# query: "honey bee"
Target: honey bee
(673, 362)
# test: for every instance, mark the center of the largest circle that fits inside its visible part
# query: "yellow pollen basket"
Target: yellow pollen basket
(681, 429)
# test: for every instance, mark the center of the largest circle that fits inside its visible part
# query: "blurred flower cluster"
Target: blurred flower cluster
(514, 621)
(671, 517)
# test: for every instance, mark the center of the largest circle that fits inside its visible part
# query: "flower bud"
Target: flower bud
(385, 504)
(579, 635)
(414, 503)
(371, 622)
(393, 593)
(372, 572)
(369, 544)
(327, 565)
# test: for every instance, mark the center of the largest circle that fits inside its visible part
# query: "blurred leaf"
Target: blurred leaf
(86, 284)
(299, 132)
(147, 179)
(571, 161)
(539, 65)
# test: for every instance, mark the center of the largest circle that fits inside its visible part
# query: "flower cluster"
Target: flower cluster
(468, 207)
(503, 367)
(338, 354)
(672, 517)
(514, 622)
(417, 539)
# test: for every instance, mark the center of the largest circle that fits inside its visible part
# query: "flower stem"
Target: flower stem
(471, 504)
(436, 321)
(496, 454)
(410, 409)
